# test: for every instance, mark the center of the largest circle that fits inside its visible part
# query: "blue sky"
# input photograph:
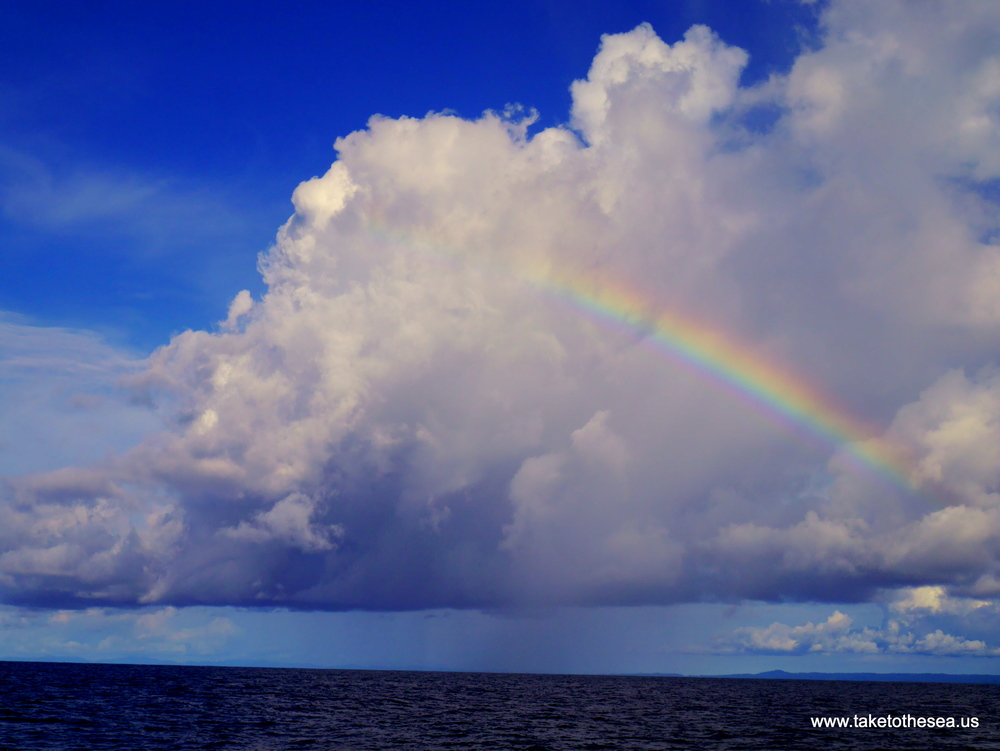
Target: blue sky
(376, 446)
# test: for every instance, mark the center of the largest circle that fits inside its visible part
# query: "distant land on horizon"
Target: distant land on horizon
(767, 675)
(888, 677)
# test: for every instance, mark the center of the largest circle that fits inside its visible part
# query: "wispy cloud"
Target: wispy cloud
(60, 402)
(157, 214)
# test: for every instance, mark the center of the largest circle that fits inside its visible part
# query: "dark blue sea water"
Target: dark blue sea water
(69, 706)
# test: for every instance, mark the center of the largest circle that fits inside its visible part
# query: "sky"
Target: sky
(545, 337)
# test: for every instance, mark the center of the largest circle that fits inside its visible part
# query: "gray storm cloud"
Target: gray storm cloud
(404, 420)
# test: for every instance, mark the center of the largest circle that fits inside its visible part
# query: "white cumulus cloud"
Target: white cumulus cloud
(418, 414)
(837, 635)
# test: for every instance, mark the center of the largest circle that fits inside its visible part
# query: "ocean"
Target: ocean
(84, 706)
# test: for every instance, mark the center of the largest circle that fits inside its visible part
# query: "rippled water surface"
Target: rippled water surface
(64, 706)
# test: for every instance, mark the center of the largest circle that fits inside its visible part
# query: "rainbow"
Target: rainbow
(778, 394)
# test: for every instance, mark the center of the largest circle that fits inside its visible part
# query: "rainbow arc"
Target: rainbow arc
(732, 366)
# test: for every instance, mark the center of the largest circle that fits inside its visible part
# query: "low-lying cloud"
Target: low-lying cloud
(407, 419)
(914, 623)
(837, 635)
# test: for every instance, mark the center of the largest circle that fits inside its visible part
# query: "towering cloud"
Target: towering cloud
(422, 410)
